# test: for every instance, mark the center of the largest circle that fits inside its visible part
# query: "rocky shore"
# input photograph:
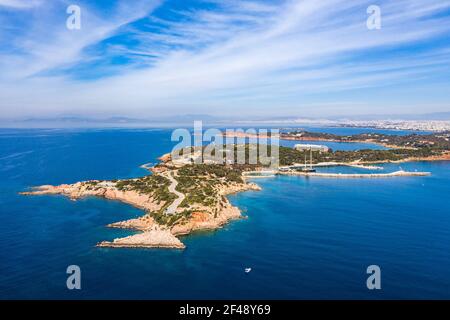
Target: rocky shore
(102, 189)
(152, 234)
(155, 237)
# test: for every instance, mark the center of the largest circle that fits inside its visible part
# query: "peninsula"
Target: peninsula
(177, 200)
(180, 196)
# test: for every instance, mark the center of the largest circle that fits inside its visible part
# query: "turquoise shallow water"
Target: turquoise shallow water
(304, 238)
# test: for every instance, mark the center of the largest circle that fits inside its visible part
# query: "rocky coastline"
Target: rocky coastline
(152, 234)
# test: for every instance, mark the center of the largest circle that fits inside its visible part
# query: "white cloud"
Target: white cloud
(20, 4)
(48, 44)
(242, 58)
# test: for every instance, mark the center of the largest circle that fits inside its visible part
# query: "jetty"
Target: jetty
(332, 164)
(399, 173)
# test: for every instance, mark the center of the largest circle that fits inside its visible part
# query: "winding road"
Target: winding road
(173, 207)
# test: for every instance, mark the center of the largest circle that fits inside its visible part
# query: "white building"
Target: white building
(313, 147)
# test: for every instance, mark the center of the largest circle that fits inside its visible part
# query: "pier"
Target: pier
(399, 173)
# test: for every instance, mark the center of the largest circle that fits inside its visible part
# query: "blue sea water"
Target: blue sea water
(303, 238)
(344, 146)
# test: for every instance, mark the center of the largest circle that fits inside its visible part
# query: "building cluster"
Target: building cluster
(419, 125)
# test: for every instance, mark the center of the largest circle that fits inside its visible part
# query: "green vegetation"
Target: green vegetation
(170, 219)
(408, 146)
(435, 141)
(225, 172)
(91, 185)
(155, 185)
(199, 181)
(289, 156)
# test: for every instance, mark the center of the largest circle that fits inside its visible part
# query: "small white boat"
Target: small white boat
(247, 270)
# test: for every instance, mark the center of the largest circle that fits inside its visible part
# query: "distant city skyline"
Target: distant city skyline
(432, 122)
(262, 59)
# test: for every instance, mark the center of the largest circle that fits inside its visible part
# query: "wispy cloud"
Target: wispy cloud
(222, 57)
(44, 43)
(20, 4)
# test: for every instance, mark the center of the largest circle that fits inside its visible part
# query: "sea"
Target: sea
(303, 238)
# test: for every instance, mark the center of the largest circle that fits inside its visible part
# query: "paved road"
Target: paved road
(173, 207)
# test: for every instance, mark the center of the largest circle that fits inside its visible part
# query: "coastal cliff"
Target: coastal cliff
(203, 207)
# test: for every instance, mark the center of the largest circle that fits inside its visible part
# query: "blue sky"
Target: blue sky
(226, 58)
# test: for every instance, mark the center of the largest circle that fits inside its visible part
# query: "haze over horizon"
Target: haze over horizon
(280, 58)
